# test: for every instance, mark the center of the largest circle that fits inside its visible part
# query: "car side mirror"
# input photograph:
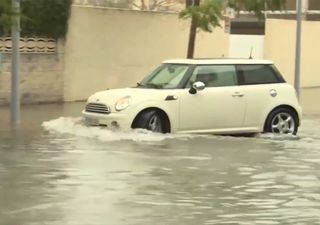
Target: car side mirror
(197, 86)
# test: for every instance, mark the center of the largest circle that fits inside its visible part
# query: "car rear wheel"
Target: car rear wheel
(150, 120)
(282, 121)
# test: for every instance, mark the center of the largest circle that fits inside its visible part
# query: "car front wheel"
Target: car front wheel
(282, 121)
(150, 120)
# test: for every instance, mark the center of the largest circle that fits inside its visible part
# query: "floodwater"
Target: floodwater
(54, 170)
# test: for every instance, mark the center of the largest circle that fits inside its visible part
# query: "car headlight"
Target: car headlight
(123, 103)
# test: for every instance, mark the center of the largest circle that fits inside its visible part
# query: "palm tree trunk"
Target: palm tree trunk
(143, 5)
(192, 34)
(192, 39)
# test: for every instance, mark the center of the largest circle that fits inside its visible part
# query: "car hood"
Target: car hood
(109, 97)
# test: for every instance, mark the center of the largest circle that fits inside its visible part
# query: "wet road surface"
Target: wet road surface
(54, 170)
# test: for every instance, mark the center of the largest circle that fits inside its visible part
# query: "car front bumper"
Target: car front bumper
(112, 120)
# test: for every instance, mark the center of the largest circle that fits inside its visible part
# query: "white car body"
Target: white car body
(217, 110)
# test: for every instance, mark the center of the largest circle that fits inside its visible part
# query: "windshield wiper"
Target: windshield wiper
(157, 86)
(150, 85)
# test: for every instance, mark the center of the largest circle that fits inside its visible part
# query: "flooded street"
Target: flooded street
(56, 171)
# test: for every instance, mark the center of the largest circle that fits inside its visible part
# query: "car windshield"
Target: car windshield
(167, 76)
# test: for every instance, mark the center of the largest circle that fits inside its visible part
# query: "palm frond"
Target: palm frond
(206, 16)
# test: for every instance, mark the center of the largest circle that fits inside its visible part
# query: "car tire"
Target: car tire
(150, 120)
(282, 121)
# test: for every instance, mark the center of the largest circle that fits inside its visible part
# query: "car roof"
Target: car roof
(217, 61)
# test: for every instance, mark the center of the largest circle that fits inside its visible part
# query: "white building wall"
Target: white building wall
(242, 45)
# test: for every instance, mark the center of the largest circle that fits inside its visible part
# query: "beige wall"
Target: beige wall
(280, 47)
(309, 101)
(41, 78)
(110, 48)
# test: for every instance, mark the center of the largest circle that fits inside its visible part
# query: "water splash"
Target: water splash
(278, 137)
(76, 127)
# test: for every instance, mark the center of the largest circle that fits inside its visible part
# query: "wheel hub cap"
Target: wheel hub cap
(155, 124)
(283, 123)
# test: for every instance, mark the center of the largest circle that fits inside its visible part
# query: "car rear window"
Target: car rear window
(257, 74)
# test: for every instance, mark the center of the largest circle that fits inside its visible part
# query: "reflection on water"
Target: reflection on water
(66, 173)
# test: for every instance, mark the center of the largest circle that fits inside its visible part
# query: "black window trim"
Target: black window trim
(184, 82)
(277, 74)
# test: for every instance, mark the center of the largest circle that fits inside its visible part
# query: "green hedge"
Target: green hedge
(45, 18)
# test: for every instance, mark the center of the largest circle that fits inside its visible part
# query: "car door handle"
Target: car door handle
(237, 94)
(171, 98)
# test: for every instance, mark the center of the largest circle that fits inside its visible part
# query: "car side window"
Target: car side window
(214, 75)
(257, 74)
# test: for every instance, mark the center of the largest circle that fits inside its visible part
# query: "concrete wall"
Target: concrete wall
(241, 46)
(41, 78)
(280, 47)
(109, 48)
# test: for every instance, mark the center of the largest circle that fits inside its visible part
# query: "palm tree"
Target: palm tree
(209, 13)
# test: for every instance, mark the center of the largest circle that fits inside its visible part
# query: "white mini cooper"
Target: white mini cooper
(219, 96)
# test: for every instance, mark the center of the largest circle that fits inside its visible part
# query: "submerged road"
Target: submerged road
(54, 170)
